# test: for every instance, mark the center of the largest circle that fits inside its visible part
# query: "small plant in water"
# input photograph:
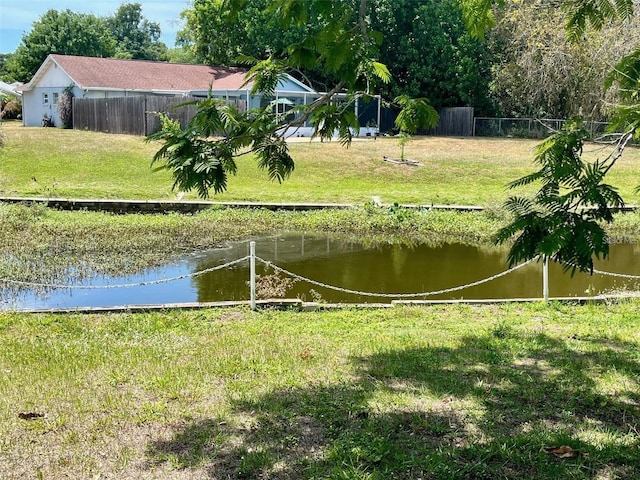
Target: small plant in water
(316, 296)
(273, 285)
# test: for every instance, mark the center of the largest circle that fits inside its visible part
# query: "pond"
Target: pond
(353, 264)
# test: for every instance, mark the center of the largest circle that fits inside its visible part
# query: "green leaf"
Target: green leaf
(415, 113)
(563, 219)
(382, 72)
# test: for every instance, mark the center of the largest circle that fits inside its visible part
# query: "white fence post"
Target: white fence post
(545, 277)
(252, 267)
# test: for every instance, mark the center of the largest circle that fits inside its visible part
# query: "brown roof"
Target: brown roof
(91, 72)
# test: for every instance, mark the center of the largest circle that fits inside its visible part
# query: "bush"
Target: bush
(65, 107)
(10, 108)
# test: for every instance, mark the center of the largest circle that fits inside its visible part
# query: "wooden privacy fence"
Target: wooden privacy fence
(137, 115)
(454, 122)
(129, 115)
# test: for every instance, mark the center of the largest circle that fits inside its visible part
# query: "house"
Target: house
(91, 77)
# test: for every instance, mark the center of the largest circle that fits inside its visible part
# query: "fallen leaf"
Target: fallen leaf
(30, 415)
(563, 451)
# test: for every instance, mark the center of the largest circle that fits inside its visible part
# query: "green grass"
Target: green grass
(447, 392)
(76, 164)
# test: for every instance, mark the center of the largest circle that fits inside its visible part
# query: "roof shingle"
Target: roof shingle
(92, 72)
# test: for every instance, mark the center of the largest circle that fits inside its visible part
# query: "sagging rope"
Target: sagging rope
(392, 295)
(293, 275)
(620, 275)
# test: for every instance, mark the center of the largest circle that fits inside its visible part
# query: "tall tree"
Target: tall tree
(4, 72)
(255, 32)
(216, 41)
(428, 48)
(425, 43)
(539, 72)
(135, 36)
(63, 32)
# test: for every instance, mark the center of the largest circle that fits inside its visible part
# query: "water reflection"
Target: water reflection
(351, 263)
(404, 268)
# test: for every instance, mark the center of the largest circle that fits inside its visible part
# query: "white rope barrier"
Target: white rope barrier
(619, 275)
(125, 285)
(296, 276)
(392, 295)
(610, 274)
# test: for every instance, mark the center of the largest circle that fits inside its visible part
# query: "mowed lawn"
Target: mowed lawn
(47, 162)
(442, 392)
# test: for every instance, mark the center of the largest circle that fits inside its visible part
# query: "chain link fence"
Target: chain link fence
(529, 127)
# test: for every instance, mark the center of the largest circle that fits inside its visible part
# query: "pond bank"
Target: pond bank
(298, 305)
(189, 206)
(40, 244)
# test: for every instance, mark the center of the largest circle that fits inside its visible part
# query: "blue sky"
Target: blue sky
(17, 16)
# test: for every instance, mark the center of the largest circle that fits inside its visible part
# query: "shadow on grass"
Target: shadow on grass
(483, 409)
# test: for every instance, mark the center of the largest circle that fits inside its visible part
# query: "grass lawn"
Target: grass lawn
(66, 163)
(446, 392)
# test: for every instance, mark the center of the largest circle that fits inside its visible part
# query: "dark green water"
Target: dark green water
(355, 264)
(406, 268)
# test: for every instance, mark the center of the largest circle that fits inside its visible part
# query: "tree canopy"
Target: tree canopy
(540, 73)
(424, 43)
(63, 32)
(125, 34)
(427, 47)
(254, 31)
(135, 36)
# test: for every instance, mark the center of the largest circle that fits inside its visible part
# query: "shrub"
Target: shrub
(10, 107)
(65, 107)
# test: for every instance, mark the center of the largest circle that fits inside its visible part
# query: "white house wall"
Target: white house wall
(34, 106)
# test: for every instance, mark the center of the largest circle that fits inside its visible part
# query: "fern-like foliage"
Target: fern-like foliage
(342, 46)
(478, 15)
(202, 155)
(581, 14)
(266, 75)
(564, 219)
(415, 113)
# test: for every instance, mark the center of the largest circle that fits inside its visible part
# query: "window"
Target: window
(45, 99)
(55, 98)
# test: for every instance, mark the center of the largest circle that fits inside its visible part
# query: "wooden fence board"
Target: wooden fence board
(129, 115)
(455, 122)
(139, 115)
